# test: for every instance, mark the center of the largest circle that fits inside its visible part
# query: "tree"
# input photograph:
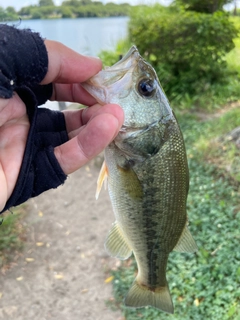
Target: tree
(3, 14)
(11, 13)
(10, 10)
(45, 3)
(26, 11)
(72, 3)
(66, 12)
(204, 6)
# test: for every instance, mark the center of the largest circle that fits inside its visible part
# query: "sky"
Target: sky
(18, 4)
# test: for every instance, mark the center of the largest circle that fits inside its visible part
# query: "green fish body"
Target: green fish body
(147, 172)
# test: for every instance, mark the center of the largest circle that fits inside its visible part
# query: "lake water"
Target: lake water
(86, 35)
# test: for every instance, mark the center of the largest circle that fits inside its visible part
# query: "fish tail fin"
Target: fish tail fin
(141, 296)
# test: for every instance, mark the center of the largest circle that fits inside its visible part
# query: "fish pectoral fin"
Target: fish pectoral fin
(116, 244)
(141, 296)
(186, 243)
(103, 174)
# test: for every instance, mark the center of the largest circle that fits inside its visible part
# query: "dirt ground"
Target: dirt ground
(62, 271)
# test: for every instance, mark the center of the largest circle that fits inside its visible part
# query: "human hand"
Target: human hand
(89, 130)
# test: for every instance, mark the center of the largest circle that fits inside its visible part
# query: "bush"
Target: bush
(186, 48)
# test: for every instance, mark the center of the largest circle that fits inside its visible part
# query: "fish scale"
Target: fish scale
(147, 173)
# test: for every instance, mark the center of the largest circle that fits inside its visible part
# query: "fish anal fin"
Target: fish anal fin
(103, 174)
(116, 244)
(141, 296)
(186, 243)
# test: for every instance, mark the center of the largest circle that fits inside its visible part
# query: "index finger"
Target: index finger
(68, 66)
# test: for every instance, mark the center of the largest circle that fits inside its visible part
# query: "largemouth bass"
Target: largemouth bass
(147, 173)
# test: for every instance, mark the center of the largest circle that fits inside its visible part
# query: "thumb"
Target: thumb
(68, 66)
(92, 139)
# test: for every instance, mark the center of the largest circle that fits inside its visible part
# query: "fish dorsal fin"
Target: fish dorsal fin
(186, 242)
(116, 244)
(103, 174)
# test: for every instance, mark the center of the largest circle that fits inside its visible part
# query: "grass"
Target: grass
(214, 145)
(214, 97)
(11, 234)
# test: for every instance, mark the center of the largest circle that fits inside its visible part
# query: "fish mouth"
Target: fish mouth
(132, 52)
(104, 85)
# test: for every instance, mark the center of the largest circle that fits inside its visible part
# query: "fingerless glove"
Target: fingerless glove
(23, 65)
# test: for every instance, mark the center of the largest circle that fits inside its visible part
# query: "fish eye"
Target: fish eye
(146, 87)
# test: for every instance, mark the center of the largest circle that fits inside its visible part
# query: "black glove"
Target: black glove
(23, 65)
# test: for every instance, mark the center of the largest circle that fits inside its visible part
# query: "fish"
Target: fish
(147, 175)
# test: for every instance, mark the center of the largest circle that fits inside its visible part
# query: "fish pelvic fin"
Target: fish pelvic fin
(103, 174)
(186, 242)
(116, 244)
(141, 296)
